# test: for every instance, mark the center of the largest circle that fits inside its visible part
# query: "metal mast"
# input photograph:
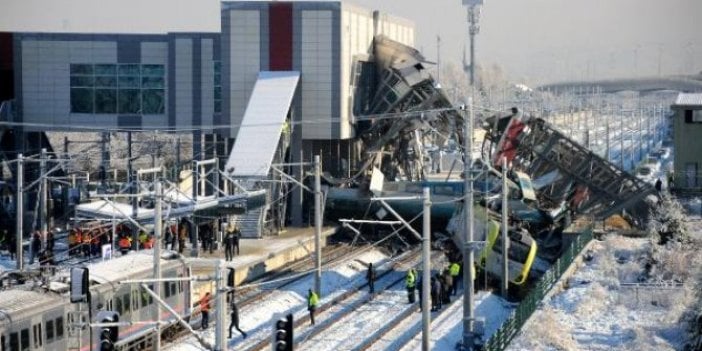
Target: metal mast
(473, 7)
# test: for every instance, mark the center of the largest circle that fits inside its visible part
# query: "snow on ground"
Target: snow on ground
(257, 319)
(599, 311)
(447, 327)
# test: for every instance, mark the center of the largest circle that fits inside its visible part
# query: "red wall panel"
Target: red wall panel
(280, 36)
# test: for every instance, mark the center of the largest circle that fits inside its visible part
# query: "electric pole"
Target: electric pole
(317, 226)
(20, 210)
(468, 293)
(426, 271)
(473, 7)
(504, 287)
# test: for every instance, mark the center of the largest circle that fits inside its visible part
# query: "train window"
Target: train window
(37, 335)
(49, 331)
(413, 188)
(444, 190)
(146, 299)
(118, 305)
(135, 300)
(24, 339)
(2, 343)
(14, 342)
(125, 303)
(59, 328)
(173, 288)
(166, 292)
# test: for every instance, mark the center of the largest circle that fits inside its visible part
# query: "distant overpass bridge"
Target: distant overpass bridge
(681, 83)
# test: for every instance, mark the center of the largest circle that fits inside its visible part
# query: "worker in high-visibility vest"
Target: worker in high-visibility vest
(312, 302)
(125, 244)
(455, 272)
(410, 282)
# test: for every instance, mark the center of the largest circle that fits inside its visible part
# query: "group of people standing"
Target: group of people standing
(442, 285)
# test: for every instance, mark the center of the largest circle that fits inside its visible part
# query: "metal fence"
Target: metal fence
(509, 329)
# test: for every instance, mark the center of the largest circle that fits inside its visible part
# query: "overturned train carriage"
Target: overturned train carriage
(567, 173)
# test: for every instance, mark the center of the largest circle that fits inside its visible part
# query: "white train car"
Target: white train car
(31, 320)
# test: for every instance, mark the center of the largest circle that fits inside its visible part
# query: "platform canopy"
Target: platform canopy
(262, 125)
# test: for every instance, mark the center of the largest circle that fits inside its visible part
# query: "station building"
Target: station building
(687, 130)
(189, 67)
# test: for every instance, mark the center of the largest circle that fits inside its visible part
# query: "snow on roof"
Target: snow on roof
(12, 301)
(118, 269)
(689, 100)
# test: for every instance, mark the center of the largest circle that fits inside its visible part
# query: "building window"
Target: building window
(217, 87)
(117, 88)
(693, 116)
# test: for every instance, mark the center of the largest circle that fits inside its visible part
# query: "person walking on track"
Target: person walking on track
(410, 282)
(370, 275)
(312, 302)
(205, 310)
(234, 314)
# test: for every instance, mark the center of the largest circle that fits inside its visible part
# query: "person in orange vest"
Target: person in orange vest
(87, 239)
(205, 310)
(71, 241)
(95, 244)
(124, 244)
(79, 242)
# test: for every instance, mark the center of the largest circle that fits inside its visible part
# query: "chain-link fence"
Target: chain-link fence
(509, 329)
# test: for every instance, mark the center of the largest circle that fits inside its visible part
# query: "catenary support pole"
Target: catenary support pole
(504, 286)
(426, 271)
(43, 204)
(468, 295)
(20, 210)
(133, 189)
(220, 305)
(158, 230)
(317, 226)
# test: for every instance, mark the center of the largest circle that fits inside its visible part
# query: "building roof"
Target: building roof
(113, 17)
(689, 99)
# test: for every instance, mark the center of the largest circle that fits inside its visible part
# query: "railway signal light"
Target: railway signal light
(79, 284)
(108, 335)
(283, 334)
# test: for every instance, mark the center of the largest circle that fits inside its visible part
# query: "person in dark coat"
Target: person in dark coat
(237, 236)
(659, 185)
(50, 241)
(446, 284)
(435, 293)
(11, 246)
(36, 246)
(229, 245)
(370, 275)
(234, 314)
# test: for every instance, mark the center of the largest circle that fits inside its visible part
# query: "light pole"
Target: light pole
(473, 7)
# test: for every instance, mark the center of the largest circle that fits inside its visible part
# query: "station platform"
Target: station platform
(261, 256)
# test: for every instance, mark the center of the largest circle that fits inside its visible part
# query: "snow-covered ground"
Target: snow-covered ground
(604, 307)
(599, 310)
(357, 318)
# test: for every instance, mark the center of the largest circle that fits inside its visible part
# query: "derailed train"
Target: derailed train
(42, 318)
(348, 203)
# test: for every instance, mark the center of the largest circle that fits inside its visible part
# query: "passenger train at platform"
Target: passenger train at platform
(42, 318)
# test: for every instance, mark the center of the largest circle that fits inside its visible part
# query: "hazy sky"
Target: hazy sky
(546, 40)
(535, 41)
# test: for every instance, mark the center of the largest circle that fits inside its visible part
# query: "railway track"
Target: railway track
(253, 294)
(335, 315)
